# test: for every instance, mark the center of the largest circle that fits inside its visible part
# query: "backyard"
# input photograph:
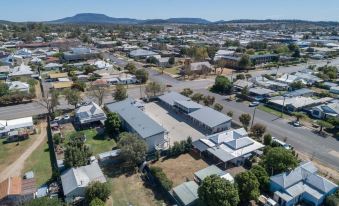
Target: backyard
(39, 162)
(95, 138)
(182, 168)
(12, 151)
(129, 189)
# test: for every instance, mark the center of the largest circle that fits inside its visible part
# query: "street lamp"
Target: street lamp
(282, 109)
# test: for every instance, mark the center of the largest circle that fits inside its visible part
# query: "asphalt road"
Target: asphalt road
(326, 150)
(21, 110)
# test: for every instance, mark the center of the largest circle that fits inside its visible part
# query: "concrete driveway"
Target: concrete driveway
(178, 129)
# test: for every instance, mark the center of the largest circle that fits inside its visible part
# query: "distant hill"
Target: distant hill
(86, 18)
(93, 18)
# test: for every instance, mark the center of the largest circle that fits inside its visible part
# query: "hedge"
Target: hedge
(161, 177)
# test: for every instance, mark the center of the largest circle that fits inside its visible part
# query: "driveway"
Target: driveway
(177, 127)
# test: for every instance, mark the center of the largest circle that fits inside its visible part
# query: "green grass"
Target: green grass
(12, 151)
(172, 70)
(39, 162)
(271, 111)
(98, 142)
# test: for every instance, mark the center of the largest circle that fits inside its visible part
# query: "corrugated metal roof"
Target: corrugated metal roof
(187, 192)
(210, 117)
(137, 119)
(208, 171)
(171, 97)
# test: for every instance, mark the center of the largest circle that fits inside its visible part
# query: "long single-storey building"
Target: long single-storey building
(136, 121)
(205, 117)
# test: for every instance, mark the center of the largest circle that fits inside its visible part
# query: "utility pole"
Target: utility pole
(255, 108)
(282, 109)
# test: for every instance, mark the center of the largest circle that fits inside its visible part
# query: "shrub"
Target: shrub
(161, 178)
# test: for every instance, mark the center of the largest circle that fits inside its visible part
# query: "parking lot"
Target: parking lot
(178, 129)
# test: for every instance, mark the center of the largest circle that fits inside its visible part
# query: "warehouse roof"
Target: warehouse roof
(210, 117)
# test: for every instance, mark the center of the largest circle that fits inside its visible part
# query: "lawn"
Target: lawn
(12, 151)
(181, 168)
(173, 70)
(271, 111)
(39, 162)
(129, 189)
(98, 142)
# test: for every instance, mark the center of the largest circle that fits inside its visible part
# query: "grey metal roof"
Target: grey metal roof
(299, 92)
(187, 192)
(81, 177)
(221, 154)
(171, 97)
(208, 171)
(260, 91)
(210, 117)
(188, 104)
(142, 124)
(239, 143)
(199, 145)
(141, 52)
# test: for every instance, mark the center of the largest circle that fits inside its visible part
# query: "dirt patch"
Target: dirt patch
(182, 168)
(236, 170)
(329, 173)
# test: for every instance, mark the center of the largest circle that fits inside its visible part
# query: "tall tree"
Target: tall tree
(120, 92)
(98, 91)
(298, 115)
(77, 153)
(112, 123)
(97, 190)
(153, 89)
(258, 130)
(131, 68)
(267, 139)
(218, 107)
(222, 85)
(216, 191)
(197, 97)
(323, 124)
(208, 100)
(187, 92)
(245, 120)
(133, 148)
(73, 97)
(244, 61)
(141, 75)
(262, 176)
(248, 186)
(278, 160)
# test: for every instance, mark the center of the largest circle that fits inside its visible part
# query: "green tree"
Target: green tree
(245, 120)
(218, 107)
(222, 85)
(262, 176)
(131, 68)
(159, 174)
(240, 76)
(4, 89)
(267, 139)
(323, 124)
(216, 191)
(278, 160)
(54, 100)
(76, 152)
(112, 123)
(133, 149)
(332, 200)
(141, 75)
(230, 113)
(297, 85)
(45, 201)
(248, 186)
(244, 61)
(120, 92)
(208, 100)
(97, 202)
(97, 190)
(73, 97)
(187, 92)
(245, 92)
(197, 97)
(153, 89)
(298, 115)
(258, 130)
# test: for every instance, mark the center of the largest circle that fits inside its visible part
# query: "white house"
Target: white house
(15, 125)
(18, 86)
(89, 114)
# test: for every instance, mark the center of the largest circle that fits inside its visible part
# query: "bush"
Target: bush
(97, 190)
(166, 183)
(181, 147)
(332, 200)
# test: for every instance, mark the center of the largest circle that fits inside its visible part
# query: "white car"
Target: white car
(254, 104)
(58, 118)
(66, 117)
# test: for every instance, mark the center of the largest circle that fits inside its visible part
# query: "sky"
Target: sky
(214, 10)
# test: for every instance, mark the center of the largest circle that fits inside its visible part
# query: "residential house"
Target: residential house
(136, 121)
(326, 110)
(25, 53)
(270, 84)
(18, 86)
(53, 66)
(79, 54)
(16, 191)
(263, 58)
(305, 92)
(141, 54)
(334, 90)
(75, 180)
(90, 114)
(240, 84)
(201, 67)
(21, 71)
(62, 85)
(301, 184)
(294, 104)
(231, 146)
(259, 93)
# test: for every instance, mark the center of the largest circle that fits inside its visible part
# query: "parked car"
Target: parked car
(254, 104)
(296, 124)
(57, 118)
(66, 117)
(281, 143)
